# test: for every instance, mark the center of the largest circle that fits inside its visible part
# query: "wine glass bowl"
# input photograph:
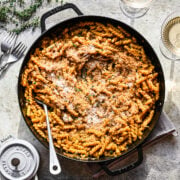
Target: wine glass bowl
(170, 36)
(135, 8)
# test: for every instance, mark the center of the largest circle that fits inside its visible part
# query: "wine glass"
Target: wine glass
(134, 8)
(170, 48)
(170, 37)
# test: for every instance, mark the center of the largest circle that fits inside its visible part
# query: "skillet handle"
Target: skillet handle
(56, 10)
(127, 168)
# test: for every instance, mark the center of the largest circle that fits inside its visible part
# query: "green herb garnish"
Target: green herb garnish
(74, 45)
(26, 14)
(77, 89)
(3, 13)
(34, 23)
(20, 14)
(79, 35)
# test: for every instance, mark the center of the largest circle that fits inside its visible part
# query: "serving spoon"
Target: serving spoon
(54, 165)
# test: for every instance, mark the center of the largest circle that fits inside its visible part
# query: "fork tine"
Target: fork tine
(6, 36)
(11, 38)
(19, 47)
(16, 48)
(8, 42)
(21, 50)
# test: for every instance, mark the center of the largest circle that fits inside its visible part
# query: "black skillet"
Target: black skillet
(150, 53)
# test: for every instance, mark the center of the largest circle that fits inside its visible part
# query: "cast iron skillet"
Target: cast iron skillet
(149, 51)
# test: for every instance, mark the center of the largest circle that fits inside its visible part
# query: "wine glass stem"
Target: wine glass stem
(172, 71)
(171, 78)
(168, 105)
(132, 21)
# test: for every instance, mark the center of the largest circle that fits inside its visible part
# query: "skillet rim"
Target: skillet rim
(139, 37)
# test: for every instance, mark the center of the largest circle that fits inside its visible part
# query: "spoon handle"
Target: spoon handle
(54, 165)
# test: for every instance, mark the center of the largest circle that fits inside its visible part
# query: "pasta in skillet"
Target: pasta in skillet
(99, 86)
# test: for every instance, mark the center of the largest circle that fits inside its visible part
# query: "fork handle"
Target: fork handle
(1, 55)
(3, 65)
(3, 68)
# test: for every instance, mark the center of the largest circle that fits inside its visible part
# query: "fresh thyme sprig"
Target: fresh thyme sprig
(33, 24)
(27, 13)
(3, 13)
(18, 15)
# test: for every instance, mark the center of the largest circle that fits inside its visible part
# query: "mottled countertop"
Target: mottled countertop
(162, 160)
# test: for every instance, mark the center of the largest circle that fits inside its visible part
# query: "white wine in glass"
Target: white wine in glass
(170, 37)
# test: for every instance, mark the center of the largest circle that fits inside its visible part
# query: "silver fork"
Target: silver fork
(8, 42)
(14, 56)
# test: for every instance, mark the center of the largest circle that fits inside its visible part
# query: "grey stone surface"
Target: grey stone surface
(161, 161)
